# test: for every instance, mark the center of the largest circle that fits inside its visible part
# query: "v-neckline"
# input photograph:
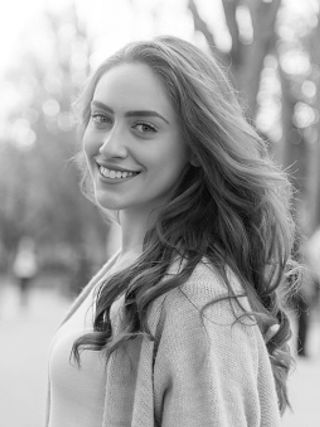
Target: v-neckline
(88, 288)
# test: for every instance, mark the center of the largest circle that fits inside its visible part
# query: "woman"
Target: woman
(184, 326)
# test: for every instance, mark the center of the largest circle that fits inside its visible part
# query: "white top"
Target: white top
(70, 385)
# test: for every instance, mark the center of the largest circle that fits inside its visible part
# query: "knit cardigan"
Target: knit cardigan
(199, 372)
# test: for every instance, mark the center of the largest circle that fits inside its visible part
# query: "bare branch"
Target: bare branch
(201, 25)
(230, 7)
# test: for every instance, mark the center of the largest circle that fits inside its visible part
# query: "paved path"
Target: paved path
(25, 336)
(304, 385)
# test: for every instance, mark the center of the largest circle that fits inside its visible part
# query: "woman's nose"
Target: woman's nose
(113, 144)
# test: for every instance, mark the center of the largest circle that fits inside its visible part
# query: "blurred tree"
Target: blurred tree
(41, 195)
(251, 25)
(299, 65)
(313, 96)
(260, 30)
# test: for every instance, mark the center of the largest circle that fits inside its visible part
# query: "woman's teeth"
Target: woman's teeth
(109, 173)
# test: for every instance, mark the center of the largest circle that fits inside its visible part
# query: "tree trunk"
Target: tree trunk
(263, 16)
(246, 59)
(314, 160)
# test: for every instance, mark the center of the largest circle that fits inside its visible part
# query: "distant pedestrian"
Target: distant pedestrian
(25, 268)
(185, 325)
(302, 302)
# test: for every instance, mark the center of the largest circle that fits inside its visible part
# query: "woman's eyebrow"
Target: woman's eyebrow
(145, 113)
(135, 113)
(101, 105)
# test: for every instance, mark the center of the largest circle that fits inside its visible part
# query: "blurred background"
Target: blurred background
(52, 239)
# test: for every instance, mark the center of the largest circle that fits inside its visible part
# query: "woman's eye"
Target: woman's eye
(145, 128)
(100, 119)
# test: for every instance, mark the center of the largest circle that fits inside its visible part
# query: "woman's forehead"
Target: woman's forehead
(132, 86)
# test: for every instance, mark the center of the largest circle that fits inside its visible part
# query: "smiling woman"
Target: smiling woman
(184, 326)
(133, 128)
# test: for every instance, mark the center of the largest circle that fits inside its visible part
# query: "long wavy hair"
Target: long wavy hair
(234, 208)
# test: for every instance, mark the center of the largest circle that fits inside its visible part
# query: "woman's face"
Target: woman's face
(132, 143)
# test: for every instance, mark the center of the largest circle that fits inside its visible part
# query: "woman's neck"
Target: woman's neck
(133, 230)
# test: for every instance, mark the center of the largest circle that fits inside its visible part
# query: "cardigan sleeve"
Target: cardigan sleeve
(206, 372)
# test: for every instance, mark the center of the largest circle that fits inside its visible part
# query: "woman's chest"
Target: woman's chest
(77, 389)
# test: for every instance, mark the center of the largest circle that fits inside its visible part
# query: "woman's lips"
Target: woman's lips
(114, 175)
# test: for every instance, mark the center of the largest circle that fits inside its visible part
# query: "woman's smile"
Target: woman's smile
(115, 176)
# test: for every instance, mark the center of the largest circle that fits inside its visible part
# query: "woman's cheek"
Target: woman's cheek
(89, 146)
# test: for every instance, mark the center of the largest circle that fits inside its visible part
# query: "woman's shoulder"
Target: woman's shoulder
(207, 283)
(205, 288)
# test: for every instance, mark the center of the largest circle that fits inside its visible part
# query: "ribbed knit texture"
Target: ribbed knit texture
(199, 372)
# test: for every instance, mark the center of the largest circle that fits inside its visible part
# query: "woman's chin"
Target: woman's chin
(110, 203)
